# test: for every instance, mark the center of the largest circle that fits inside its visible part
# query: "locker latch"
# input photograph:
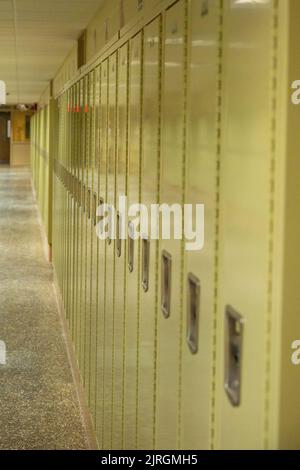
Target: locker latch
(118, 238)
(89, 203)
(193, 307)
(234, 325)
(94, 209)
(130, 246)
(166, 270)
(145, 263)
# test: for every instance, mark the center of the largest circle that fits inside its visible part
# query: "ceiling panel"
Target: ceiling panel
(35, 38)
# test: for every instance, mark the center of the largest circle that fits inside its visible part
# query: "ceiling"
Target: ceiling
(35, 38)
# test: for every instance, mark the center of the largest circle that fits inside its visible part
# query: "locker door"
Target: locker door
(94, 275)
(77, 216)
(201, 178)
(241, 374)
(120, 249)
(110, 247)
(90, 146)
(149, 248)
(72, 210)
(133, 252)
(170, 293)
(101, 257)
(84, 228)
(80, 224)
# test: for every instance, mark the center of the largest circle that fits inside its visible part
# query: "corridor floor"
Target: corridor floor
(38, 401)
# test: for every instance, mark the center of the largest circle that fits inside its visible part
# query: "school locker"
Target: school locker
(80, 221)
(109, 272)
(201, 188)
(171, 251)
(149, 247)
(240, 414)
(133, 252)
(85, 132)
(77, 214)
(72, 211)
(120, 248)
(101, 258)
(89, 111)
(94, 254)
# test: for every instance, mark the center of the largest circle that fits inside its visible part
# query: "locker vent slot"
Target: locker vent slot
(193, 307)
(233, 354)
(166, 267)
(145, 263)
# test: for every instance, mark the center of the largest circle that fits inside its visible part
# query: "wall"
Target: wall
(20, 143)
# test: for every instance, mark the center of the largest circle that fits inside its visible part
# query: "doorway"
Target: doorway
(4, 138)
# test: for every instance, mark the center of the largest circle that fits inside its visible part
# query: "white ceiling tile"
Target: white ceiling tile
(34, 43)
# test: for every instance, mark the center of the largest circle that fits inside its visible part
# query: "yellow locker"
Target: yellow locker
(101, 258)
(80, 221)
(90, 147)
(120, 248)
(77, 215)
(133, 252)
(201, 185)
(240, 412)
(170, 292)
(94, 255)
(83, 227)
(110, 248)
(149, 248)
(72, 209)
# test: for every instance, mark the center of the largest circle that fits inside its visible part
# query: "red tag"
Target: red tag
(86, 109)
(77, 109)
(68, 108)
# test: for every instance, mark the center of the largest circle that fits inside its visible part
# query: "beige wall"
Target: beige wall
(20, 154)
(20, 146)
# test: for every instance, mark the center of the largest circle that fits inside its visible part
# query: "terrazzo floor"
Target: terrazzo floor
(38, 402)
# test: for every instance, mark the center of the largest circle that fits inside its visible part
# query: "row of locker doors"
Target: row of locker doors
(146, 124)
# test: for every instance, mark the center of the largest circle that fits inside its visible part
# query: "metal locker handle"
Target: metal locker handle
(145, 263)
(109, 238)
(166, 271)
(118, 240)
(95, 209)
(130, 247)
(193, 307)
(79, 193)
(83, 197)
(89, 203)
(234, 325)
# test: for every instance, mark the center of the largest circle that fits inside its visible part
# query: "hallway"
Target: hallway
(38, 402)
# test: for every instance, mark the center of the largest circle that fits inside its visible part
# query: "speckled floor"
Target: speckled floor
(38, 403)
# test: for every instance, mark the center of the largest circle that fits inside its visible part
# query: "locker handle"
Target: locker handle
(83, 197)
(79, 193)
(145, 263)
(234, 326)
(166, 271)
(110, 222)
(130, 247)
(118, 240)
(193, 306)
(89, 203)
(94, 209)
